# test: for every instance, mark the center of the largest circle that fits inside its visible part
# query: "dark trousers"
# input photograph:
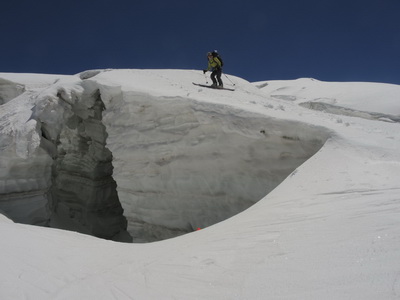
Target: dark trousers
(216, 76)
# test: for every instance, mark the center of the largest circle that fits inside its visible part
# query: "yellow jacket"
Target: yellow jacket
(214, 63)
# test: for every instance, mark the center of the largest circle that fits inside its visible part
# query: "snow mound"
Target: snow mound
(329, 230)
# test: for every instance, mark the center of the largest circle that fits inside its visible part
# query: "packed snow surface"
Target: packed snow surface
(327, 229)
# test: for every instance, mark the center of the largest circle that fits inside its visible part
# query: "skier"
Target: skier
(215, 65)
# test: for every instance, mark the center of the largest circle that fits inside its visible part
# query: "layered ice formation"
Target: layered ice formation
(182, 165)
(89, 147)
(55, 167)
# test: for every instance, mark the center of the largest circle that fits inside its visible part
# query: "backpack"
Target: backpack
(215, 54)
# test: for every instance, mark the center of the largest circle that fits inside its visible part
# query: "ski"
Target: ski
(211, 87)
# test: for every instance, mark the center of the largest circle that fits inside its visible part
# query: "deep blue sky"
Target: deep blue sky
(330, 40)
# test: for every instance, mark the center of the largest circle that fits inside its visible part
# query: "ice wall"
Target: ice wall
(25, 168)
(63, 175)
(91, 157)
(182, 164)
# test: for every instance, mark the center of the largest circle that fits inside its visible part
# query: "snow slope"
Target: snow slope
(362, 99)
(330, 230)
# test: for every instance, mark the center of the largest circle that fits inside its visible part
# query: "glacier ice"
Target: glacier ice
(182, 165)
(66, 174)
(9, 90)
(88, 156)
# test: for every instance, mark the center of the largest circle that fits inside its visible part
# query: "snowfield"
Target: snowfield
(295, 185)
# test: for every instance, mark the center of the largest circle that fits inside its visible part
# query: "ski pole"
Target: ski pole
(205, 77)
(229, 79)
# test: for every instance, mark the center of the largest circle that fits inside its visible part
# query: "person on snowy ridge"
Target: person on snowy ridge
(215, 65)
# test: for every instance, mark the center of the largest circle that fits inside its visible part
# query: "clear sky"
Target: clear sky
(330, 40)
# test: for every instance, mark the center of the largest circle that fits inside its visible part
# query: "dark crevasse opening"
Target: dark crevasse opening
(83, 194)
